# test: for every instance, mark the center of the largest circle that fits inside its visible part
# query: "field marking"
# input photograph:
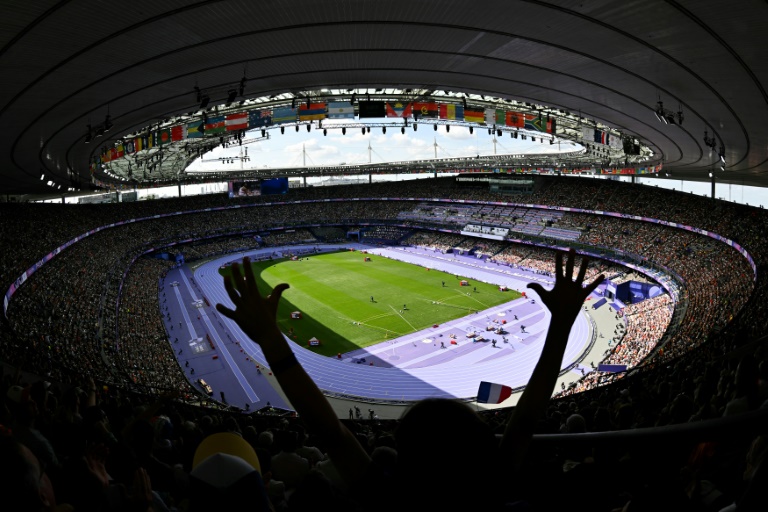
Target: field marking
(376, 317)
(401, 316)
(468, 294)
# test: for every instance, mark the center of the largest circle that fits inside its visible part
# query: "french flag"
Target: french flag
(490, 393)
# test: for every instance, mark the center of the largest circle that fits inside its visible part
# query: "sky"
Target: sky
(287, 150)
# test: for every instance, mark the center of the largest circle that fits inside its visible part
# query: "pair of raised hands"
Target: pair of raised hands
(255, 314)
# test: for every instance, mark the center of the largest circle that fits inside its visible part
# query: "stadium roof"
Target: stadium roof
(68, 65)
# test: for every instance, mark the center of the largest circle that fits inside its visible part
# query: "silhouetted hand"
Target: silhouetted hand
(565, 299)
(256, 315)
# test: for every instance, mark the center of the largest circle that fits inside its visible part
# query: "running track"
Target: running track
(407, 368)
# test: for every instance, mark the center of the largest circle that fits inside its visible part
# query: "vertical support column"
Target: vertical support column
(370, 178)
(62, 200)
(305, 180)
(179, 189)
(634, 179)
(117, 196)
(712, 180)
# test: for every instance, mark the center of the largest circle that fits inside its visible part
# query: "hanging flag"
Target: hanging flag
(533, 123)
(195, 129)
(601, 137)
(311, 112)
(215, 125)
(235, 122)
(399, 109)
(259, 118)
(515, 119)
(137, 144)
(284, 115)
(552, 125)
(450, 111)
(130, 147)
(587, 133)
(148, 140)
(163, 137)
(178, 132)
(341, 110)
(490, 116)
(425, 111)
(371, 109)
(490, 393)
(474, 116)
(119, 151)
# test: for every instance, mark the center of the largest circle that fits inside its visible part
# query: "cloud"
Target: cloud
(459, 133)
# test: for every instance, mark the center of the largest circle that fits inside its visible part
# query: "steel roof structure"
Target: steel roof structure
(69, 70)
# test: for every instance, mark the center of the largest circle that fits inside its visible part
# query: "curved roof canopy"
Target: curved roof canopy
(67, 65)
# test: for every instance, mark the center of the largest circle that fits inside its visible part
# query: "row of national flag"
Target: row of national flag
(589, 134)
(220, 125)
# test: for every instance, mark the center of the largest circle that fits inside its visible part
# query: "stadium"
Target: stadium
(151, 358)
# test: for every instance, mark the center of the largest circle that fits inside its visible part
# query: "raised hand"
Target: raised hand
(256, 315)
(565, 299)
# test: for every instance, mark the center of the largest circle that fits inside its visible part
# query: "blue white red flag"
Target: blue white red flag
(490, 393)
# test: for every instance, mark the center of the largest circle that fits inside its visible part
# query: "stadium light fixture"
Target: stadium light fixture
(42, 177)
(231, 95)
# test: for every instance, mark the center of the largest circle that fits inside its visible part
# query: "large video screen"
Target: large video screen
(274, 186)
(248, 188)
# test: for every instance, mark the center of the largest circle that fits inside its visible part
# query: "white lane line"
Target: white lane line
(183, 308)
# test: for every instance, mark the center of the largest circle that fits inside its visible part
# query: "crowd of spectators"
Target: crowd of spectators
(64, 327)
(289, 237)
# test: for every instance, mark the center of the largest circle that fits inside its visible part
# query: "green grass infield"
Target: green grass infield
(346, 302)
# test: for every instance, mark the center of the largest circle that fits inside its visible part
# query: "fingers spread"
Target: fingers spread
(536, 287)
(250, 280)
(234, 296)
(224, 310)
(558, 265)
(569, 264)
(237, 277)
(582, 269)
(274, 297)
(599, 279)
